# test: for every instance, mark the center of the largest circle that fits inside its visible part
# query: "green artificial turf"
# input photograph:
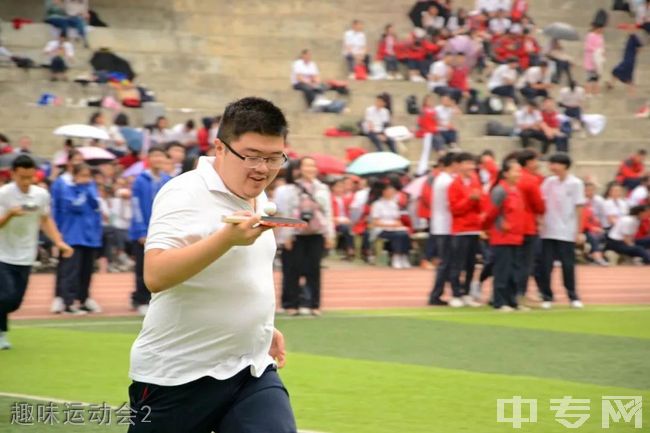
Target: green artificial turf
(374, 371)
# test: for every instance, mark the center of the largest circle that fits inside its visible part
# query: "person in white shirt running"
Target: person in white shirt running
(24, 209)
(207, 356)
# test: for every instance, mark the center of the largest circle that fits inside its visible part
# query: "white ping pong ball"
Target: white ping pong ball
(270, 208)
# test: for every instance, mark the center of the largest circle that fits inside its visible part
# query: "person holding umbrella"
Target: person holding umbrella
(24, 209)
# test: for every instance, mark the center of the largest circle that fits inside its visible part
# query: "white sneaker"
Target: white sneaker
(456, 303)
(142, 309)
(505, 309)
(4, 343)
(406, 264)
(92, 306)
(74, 311)
(396, 262)
(303, 311)
(577, 304)
(547, 305)
(57, 305)
(470, 302)
(475, 290)
(522, 308)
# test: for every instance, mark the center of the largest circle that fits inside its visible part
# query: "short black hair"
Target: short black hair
(23, 161)
(636, 210)
(464, 156)
(189, 124)
(513, 60)
(560, 158)
(532, 103)
(78, 168)
(121, 120)
(526, 155)
(171, 144)
(543, 64)
(488, 152)
(447, 159)
(254, 115)
(154, 149)
(642, 152)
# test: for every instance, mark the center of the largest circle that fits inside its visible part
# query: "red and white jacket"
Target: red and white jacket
(530, 187)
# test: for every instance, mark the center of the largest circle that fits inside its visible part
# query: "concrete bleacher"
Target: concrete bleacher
(197, 55)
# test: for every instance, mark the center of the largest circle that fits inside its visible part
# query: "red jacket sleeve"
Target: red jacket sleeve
(424, 203)
(459, 202)
(534, 197)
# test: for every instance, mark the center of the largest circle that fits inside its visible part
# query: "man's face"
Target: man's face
(358, 27)
(532, 165)
(467, 167)
(307, 57)
(590, 190)
(157, 160)
(75, 160)
(245, 182)
(25, 143)
(515, 173)
(558, 169)
(177, 154)
(24, 177)
(83, 177)
(379, 103)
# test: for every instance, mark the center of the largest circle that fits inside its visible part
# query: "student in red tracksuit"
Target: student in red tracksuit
(529, 185)
(464, 197)
(505, 223)
(428, 132)
(632, 170)
(341, 214)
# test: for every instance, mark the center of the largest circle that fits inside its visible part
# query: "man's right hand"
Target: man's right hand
(244, 233)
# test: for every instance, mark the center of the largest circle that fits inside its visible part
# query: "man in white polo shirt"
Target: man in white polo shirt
(305, 77)
(355, 48)
(24, 209)
(204, 360)
(564, 196)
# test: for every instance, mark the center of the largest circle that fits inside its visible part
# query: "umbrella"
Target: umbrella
(82, 131)
(92, 155)
(7, 159)
(378, 162)
(414, 188)
(561, 31)
(328, 164)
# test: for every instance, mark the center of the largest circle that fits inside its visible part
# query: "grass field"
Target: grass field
(406, 371)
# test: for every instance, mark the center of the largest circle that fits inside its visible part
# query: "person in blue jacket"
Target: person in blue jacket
(56, 191)
(145, 188)
(81, 227)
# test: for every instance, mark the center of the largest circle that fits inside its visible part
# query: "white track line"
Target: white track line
(82, 323)
(61, 401)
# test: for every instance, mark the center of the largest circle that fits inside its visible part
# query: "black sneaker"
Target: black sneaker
(438, 303)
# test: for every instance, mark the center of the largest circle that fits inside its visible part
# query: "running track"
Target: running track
(364, 287)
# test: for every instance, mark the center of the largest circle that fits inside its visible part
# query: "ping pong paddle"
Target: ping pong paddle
(268, 221)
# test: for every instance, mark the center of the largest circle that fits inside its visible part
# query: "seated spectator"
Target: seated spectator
(414, 54)
(554, 130)
(439, 74)
(458, 80)
(186, 134)
(431, 19)
(56, 15)
(492, 7)
(616, 206)
(500, 24)
(528, 124)
(386, 223)
(536, 81)
(592, 228)
(341, 213)
(458, 23)
(519, 10)
(502, 82)
(641, 194)
(305, 77)
(528, 49)
(97, 120)
(386, 52)
(355, 49)
(160, 132)
(620, 238)
(572, 99)
(61, 54)
(428, 131)
(596, 201)
(377, 118)
(445, 113)
(632, 169)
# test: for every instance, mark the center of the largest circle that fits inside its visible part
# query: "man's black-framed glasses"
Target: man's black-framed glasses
(272, 162)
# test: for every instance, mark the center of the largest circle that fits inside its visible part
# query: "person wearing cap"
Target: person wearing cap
(208, 353)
